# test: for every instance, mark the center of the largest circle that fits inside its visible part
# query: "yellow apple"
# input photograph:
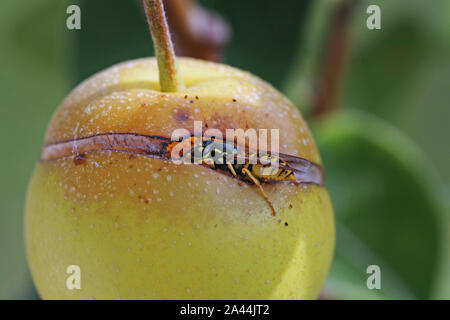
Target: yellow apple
(145, 228)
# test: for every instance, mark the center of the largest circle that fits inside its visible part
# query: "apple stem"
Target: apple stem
(170, 78)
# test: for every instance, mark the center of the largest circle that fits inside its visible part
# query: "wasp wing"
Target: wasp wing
(304, 170)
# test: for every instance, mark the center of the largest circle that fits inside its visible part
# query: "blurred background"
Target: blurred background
(378, 102)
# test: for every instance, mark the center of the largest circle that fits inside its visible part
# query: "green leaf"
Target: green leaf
(33, 80)
(345, 281)
(387, 205)
(401, 72)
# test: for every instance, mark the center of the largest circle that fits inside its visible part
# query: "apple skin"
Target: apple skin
(143, 228)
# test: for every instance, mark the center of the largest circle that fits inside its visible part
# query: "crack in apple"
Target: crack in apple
(306, 172)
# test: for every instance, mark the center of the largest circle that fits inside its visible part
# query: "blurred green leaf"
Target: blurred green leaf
(345, 281)
(387, 206)
(442, 283)
(402, 72)
(33, 80)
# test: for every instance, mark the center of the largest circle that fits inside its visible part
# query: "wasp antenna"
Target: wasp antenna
(256, 181)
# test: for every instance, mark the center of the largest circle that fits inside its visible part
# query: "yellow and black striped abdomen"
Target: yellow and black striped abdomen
(271, 172)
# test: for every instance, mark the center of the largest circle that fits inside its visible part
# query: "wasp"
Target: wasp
(248, 165)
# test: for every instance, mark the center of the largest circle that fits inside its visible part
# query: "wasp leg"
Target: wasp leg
(256, 181)
(231, 169)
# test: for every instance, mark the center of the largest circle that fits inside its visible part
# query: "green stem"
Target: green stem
(170, 78)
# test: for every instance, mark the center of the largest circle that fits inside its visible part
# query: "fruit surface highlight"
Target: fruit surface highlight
(144, 228)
